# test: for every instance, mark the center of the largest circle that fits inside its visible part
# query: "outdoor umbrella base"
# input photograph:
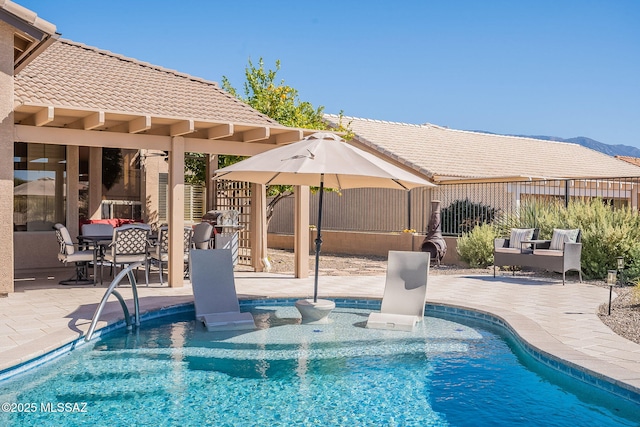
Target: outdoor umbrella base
(315, 312)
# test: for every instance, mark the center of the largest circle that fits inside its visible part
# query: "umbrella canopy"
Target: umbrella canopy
(321, 159)
(321, 155)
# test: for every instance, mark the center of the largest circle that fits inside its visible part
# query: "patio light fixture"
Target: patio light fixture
(611, 281)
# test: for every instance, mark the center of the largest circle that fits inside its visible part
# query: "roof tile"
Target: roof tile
(438, 151)
(70, 74)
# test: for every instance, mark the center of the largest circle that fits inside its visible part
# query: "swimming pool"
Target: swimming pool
(173, 372)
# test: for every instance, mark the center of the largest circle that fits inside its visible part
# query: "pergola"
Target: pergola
(74, 127)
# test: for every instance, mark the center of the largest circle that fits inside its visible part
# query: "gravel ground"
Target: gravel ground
(625, 308)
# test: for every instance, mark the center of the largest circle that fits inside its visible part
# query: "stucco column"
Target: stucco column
(150, 170)
(176, 212)
(95, 182)
(6, 159)
(73, 174)
(212, 166)
(258, 228)
(301, 231)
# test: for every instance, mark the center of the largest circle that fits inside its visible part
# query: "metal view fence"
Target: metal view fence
(463, 205)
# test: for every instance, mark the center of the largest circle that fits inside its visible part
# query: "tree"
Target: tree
(281, 103)
(276, 100)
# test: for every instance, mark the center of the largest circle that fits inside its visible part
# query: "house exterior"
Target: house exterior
(63, 102)
(489, 169)
(444, 154)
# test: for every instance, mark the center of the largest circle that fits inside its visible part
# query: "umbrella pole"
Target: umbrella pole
(318, 239)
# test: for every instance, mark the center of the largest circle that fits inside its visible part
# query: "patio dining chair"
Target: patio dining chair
(130, 244)
(70, 253)
(160, 254)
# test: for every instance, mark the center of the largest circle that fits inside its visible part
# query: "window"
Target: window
(39, 172)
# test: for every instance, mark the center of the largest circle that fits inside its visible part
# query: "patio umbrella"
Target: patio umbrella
(321, 160)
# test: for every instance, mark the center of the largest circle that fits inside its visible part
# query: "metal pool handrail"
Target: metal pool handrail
(128, 271)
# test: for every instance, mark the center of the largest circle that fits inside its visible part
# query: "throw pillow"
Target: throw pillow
(560, 237)
(519, 235)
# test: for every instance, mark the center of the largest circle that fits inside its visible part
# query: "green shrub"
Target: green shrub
(462, 216)
(476, 246)
(607, 233)
(543, 215)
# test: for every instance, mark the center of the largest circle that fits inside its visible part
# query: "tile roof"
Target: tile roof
(441, 153)
(70, 74)
(629, 159)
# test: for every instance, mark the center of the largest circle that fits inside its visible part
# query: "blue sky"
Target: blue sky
(542, 67)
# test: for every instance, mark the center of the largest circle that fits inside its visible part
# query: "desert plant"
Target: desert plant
(606, 234)
(476, 246)
(532, 213)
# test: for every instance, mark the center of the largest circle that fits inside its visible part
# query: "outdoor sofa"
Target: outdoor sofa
(523, 249)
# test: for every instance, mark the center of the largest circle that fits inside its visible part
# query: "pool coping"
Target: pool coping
(531, 337)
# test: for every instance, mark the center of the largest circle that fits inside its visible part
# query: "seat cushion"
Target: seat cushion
(125, 259)
(163, 256)
(519, 235)
(548, 252)
(508, 250)
(77, 256)
(560, 237)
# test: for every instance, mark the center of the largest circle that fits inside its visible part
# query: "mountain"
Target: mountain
(611, 150)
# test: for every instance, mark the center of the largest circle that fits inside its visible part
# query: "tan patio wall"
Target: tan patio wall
(6, 158)
(36, 249)
(365, 243)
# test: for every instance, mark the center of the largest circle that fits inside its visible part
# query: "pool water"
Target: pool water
(173, 372)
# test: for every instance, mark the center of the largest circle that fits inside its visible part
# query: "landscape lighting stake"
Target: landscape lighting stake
(611, 280)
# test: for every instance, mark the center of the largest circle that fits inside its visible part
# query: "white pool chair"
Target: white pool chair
(405, 292)
(214, 291)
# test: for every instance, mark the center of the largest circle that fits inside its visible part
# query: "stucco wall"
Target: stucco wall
(359, 243)
(36, 250)
(6, 158)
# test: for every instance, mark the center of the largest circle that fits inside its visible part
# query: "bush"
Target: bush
(476, 246)
(541, 214)
(607, 233)
(462, 216)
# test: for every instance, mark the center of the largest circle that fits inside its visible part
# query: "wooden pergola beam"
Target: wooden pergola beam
(62, 136)
(182, 128)
(140, 124)
(288, 137)
(256, 134)
(42, 117)
(93, 121)
(220, 131)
